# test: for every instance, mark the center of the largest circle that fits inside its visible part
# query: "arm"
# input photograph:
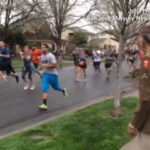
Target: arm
(7, 55)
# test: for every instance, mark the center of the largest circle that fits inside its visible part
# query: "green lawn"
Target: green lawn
(88, 129)
(18, 63)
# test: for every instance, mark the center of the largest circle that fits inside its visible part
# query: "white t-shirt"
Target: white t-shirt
(97, 57)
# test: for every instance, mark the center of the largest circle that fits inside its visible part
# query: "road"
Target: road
(18, 105)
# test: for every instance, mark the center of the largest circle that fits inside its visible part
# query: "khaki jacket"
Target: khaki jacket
(141, 119)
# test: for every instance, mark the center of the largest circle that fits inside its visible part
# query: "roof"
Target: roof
(98, 40)
(77, 29)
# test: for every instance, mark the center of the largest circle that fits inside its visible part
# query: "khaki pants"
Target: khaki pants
(140, 142)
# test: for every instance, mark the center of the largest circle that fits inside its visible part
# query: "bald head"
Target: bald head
(2, 44)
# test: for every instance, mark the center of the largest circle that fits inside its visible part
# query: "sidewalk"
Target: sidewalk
(132, 94)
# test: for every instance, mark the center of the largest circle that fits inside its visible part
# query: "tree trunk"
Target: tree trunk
(117, 107)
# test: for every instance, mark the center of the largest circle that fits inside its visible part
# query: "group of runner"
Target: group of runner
(32, 58)
(81, 61)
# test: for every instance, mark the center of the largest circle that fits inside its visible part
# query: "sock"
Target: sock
(45, 101)
(62, 90)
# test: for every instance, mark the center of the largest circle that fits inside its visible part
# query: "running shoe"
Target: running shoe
(17, 79)
(5, 78)
(43, 106)
(85, 80)
(65, 93)
(32, 87)
(77, 80)
(26, 87)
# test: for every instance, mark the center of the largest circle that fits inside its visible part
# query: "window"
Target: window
(71, 34)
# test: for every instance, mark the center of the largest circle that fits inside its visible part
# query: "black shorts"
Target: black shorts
(83, 67)
(36, 66)
(96, 64)
(7, 68)
(108, 66)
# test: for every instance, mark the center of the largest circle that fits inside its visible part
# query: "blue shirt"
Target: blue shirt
(4, 61)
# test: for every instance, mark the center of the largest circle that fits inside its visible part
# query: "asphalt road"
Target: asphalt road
(18, 105)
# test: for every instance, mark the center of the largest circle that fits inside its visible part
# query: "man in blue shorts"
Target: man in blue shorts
(50, 77)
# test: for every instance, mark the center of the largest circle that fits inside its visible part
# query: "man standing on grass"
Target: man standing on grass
(5, 62)
(50, 76)
(141, 119)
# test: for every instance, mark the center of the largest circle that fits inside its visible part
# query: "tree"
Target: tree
(15, 38)
(80, 37)
(58, 15)
(14, 14)
(114, 18)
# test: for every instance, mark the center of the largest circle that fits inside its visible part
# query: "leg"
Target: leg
(54, 81)
(78, 74)
(1, 75)
(25, 81)
(9, 69)
(31, 80)
(85, 74)
(36, 67)
(45, 88)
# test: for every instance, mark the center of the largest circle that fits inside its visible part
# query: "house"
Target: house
(40, 38)
(68, 34)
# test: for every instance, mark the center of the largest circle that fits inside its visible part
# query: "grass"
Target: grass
(18, 63)
(87, 129)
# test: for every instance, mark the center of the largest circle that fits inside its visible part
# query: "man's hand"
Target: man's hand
(0, 55)
(131, 130)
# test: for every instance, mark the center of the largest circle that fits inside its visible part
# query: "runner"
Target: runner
(109, 59)
(36, 56)
(5, 62)
(28, 68)
(97, 59)
(50, 77)
(59, 54)
(82, 61)
(75, 55)
(131, 60)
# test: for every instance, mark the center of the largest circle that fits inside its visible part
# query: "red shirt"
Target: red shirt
(36, 54)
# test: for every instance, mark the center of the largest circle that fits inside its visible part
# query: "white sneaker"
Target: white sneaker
(5, 78)
(32, 87)
(26, 87)
(77, 80)
(85, 80)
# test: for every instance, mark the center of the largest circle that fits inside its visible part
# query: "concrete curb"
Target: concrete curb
(64, 112)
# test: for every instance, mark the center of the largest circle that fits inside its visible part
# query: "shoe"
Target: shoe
(26, 87)
(17, 79)
(5, 78)
(32, 87)
(77, 80)
(43, 106)
(85, 80)
(65, 93)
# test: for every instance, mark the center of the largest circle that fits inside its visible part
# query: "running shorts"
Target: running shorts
(50, 79)
(96, 64)
(83, 67)
(6, 68)
(108, 66)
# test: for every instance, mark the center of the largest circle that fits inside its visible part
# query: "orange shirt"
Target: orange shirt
(36, 54)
